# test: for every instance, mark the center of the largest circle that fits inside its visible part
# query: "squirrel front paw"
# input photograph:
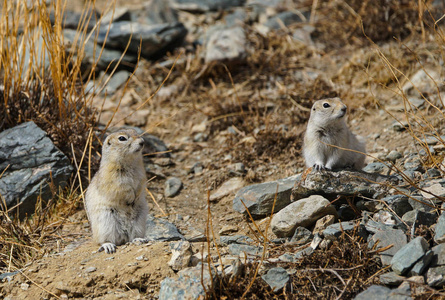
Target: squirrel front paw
(108, 248)
(139, 241)
(319, 167)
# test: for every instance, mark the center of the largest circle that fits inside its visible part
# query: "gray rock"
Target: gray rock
(399, 204)
(276, 278)
(439, 234)
(391, 278)
(399, 126)
(424, 80)
(181, 255)
(205, 5)
(190, 284)
(420, 267)
(237, 249)
(72, 19)
(238, 17)
(409, 255)
(334, 231)
(234, 239)
(301, 236)
(344, 183)
(435, 276)
(156, 39)
(376, 167)
(230, 186)
(226, 44)
(116, 81)
(155, 12)
(374, 227)
(160, 230)
(119, 14)
(394, 155)
(416, 102)
(8, 274)
(285, 19)
(384, 238)
(377, 292)
(90, 54)
(438, 255)
(259, 198)
(32, 163)
(420, 203)
(433, 173)
(304, 212)
(172, 186)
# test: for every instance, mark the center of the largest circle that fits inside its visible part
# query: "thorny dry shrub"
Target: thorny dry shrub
(343, 270)
(382, 20)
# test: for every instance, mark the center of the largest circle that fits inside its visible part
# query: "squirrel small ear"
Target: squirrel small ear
(108, 142)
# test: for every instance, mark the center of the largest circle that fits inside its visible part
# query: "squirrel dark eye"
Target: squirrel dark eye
(122, 138)
(326, 105)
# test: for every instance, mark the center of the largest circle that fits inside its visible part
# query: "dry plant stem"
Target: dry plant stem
(253, 221)
(209, 261)
(264, 246)
(156, 202)
(234, 89)
(38, 285)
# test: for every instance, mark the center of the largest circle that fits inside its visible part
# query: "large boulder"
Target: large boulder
(32, 163)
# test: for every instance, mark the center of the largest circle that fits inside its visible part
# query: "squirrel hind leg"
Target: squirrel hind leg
(108, 248)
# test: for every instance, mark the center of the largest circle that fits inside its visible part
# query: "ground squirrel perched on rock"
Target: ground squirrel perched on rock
(115, 200)
(327, 126)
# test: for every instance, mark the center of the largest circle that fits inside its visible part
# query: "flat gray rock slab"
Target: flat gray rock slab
(152, 39)
(439, 235)
(160, 230)
(227, 44)
(304, 212)
(259, 198)
(334, 231)
(409, 255)
(384, 238)
(377, 292)
(344, 182)
(32, 162)
(173, 186)
(276, 278)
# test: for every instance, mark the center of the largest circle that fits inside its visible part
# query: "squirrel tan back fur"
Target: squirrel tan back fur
(115, 200)
(327, 126)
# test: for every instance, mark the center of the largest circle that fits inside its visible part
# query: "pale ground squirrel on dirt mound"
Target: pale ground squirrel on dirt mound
(326, 127)
(115, 200)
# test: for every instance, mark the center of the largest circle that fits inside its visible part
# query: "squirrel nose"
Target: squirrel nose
(343, 109)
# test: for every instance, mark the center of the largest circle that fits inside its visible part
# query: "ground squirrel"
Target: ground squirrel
(115, 200)
(327, 126)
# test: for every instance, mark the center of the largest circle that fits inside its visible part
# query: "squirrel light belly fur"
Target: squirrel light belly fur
(327, 127)
(115, 200)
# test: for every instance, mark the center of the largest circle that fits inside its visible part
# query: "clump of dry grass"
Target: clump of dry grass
(40, 82)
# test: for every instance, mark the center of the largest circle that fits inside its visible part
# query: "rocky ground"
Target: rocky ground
(226, 128)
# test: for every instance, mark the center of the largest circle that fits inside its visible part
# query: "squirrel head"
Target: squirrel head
(328, 111)
(123, 146)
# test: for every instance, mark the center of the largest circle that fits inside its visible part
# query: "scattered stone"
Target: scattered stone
(160, 230)
(376, 167)
(226, 44)
(438, 255)
(323, 223)
(230, 186)
(304, 212)
(72, 19)
(285, 19)
(334, 231)
(116, 81)
(419, 203)
(301, 236)
(205, 5)
(24, 286)
(237, 249)
(394, 155)
(398, 203)
(433, 191)
(435, 276)
(189, 285)
(90, 269)
(276, 278)
(34, 163)
(424, 80)
(234, 239)
(399, 126)
(181, 255)
(151, 39)
(119, 14)
(172, 186)
(228, 229)
(344, 183)
(416, 102)
(8, 274)
(408, 255)
(377, 292)
(384, 238)
(439, 234)
(420, 267)
(391, 278)
(259, 198)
